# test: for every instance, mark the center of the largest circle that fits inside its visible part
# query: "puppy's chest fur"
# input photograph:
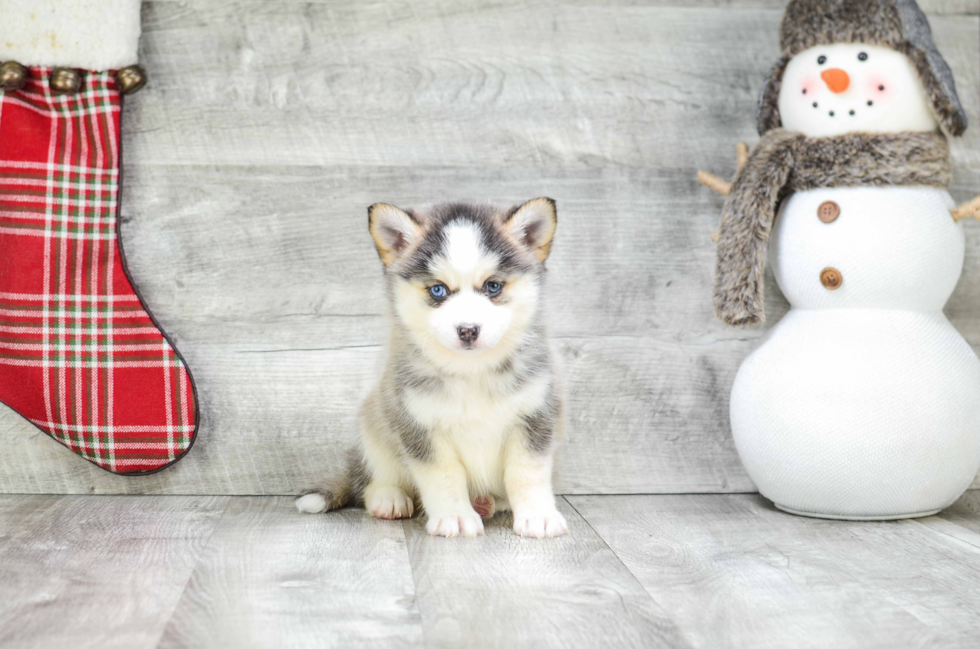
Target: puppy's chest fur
(477, 416)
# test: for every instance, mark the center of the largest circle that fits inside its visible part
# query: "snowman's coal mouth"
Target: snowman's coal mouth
(852, 112)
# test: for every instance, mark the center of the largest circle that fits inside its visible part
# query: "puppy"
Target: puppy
(468, 411)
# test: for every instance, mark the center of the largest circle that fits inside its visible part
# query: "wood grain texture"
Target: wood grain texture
(81, 571)
(636, 571)
(272, 577)
(501, 590)
(268, 127)
(733, 571)
(442, 82)
(965, 512)
(960, 521)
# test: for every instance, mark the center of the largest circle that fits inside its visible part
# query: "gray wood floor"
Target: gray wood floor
(637, 571)
(269, 125)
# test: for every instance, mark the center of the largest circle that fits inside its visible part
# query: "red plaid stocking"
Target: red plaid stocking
(80, 356)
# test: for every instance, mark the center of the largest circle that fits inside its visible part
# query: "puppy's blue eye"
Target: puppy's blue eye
(438, 291)
(493, 288)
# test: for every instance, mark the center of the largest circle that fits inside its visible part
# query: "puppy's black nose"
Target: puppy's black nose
(468, 333)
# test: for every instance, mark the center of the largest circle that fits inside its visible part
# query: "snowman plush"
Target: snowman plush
(863, 402)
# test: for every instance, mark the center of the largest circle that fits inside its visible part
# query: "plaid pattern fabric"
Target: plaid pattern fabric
(79, 355)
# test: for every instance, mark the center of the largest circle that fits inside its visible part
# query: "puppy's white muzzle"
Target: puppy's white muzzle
(469, 323)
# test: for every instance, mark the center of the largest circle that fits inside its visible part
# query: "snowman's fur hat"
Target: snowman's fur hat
(898, 24)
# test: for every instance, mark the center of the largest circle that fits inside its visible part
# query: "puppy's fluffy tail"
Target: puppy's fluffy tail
(343, 489)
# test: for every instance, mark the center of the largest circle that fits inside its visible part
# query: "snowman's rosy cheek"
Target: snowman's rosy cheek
(877, 87)
(809, 87)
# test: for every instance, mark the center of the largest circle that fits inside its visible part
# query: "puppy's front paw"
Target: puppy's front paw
(540, 524)
(455, 524)
(389, 502)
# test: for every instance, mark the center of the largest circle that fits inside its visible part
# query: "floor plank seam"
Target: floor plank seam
(653, 600)
(197, 564)
(957, 539)
(292, 495)
(415, 582)
(614, 553)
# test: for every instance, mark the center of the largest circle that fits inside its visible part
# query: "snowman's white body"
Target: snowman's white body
(864, 401)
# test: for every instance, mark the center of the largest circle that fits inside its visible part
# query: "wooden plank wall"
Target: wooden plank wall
(269, 126)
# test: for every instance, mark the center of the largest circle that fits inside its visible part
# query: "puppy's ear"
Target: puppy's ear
(393, 230)
(533, 224)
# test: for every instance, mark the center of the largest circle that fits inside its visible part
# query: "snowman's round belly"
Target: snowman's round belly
(860, 413)
(893, 248)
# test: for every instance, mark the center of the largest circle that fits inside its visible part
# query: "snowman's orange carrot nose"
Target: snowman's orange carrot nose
(836, 79)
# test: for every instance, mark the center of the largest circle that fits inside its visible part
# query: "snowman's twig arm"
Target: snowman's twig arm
(724, 188)
(966, 210)
(712, 181)
(741, 154)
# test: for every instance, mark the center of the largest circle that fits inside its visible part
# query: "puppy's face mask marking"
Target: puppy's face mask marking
(465, 282)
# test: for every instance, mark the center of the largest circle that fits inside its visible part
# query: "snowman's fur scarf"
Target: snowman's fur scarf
(446, 426)
(898, 24)
(786, 161)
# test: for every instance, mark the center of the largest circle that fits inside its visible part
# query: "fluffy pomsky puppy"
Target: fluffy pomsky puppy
(468, 411)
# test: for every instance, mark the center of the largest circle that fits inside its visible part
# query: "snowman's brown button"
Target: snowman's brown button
(831, 279)
(828, 211)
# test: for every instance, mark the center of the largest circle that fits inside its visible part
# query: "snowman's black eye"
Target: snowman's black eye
(863, 56)
(821, 59)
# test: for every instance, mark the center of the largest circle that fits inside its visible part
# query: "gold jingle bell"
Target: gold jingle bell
(13, 75)
(130, 79)
(65, 80)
